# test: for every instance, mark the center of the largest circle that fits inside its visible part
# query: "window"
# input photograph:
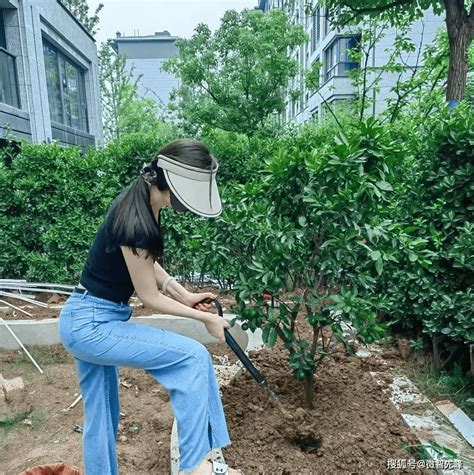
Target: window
(8, 74)
(66, 89)
(3, 39)
(327, 24)
(315, 28)
(337, 57)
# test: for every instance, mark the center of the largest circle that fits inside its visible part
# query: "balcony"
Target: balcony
(340, 69)
(8, 80)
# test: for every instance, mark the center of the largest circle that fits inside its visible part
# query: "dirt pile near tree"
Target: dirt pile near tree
(353, 427)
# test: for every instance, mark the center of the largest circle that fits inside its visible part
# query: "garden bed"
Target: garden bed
(354, 421)
(355, 426)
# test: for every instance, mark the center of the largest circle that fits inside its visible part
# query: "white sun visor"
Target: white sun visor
(195, 188)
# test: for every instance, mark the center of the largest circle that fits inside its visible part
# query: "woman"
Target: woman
(123, 259)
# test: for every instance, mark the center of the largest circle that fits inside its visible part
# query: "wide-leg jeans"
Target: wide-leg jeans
(96, 332)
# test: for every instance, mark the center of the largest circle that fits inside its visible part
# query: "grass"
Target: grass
(453, 386)
(44, 356)
(36, 417)
(426, 452)
(9, 422)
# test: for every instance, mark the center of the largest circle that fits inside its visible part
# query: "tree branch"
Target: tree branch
(470, 20)
(381, 8)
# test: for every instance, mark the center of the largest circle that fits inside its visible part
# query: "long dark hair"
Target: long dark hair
(130, 221)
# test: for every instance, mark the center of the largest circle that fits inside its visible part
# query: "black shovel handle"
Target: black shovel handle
(235, 346)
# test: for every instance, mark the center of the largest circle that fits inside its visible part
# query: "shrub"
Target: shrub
(428, 283)
(54, 198)
(323, 200)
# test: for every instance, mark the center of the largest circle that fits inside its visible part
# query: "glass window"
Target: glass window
(316, 28)
(8, 80)
(327, 24)
(8, 74)
(66, 89)
(337, 57)
(3, 39)
(53, 82)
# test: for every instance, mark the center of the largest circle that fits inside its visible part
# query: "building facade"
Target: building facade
(49, 87)
(331, 49)
(144, 59)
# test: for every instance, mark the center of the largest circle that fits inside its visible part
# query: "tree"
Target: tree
(459, 24)
(237, 77)
(123, 110)
(80, 10)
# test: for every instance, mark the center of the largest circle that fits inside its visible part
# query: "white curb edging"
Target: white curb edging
(45, 332)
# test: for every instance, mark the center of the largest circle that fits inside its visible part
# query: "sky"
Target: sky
(144, 17)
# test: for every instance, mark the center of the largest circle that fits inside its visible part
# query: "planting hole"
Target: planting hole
(307, 443)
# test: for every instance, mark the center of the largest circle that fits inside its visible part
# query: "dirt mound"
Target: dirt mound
(353, 427)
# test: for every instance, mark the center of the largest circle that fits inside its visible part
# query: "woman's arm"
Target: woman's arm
(142, 274)
(177, 292)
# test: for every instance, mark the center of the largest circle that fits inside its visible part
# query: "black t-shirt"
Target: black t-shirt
(105, 273)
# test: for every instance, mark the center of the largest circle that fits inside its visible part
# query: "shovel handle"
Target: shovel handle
(234, 346)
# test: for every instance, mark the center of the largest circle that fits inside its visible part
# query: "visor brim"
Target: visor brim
(200, 197)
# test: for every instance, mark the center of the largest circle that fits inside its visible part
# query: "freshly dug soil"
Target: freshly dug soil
(353, 427)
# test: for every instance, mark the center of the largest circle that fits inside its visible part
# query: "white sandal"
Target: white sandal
(219, 468)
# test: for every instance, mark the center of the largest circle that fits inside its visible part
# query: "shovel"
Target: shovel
(234, 346)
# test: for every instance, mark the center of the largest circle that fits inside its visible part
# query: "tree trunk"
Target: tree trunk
(460, 27)
(436, 362)
(309, 390)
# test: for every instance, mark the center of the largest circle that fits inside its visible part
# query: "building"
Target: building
(49, 87)
(330, 48)
(144, 58)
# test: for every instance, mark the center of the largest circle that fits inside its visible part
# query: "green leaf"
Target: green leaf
(272, 337)
(375, 255)
(379, 266)
(384, 185)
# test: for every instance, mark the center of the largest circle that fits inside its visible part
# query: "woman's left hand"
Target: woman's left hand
(195, 301)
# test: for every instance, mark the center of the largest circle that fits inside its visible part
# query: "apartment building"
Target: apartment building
(49, 87)
(331, 48)
(144, 58)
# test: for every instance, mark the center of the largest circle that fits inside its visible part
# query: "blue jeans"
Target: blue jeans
(96, 332)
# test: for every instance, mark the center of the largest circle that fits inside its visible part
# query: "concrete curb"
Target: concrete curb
(45, 332)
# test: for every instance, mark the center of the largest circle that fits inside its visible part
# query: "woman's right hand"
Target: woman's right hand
(215, 326)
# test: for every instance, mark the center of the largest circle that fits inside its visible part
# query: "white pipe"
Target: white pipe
(34, 289)
(24, 283)
(21, 344)
(20, 297)
(74, 403)
(16, 308)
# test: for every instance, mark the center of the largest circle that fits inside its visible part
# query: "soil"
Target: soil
(353, 427)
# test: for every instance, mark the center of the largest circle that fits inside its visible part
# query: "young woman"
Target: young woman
(93, 323)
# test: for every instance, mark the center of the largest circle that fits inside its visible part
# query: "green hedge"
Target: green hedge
(53, 200)
(429, 284)
(389, 206)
